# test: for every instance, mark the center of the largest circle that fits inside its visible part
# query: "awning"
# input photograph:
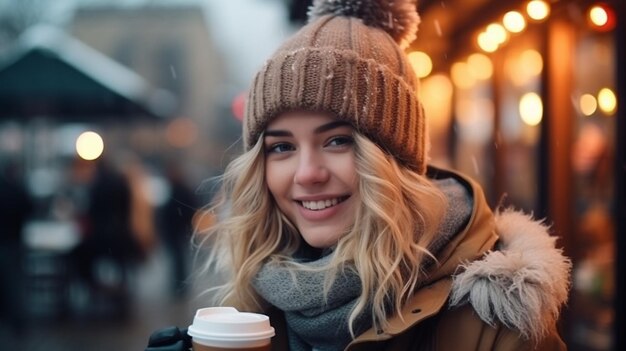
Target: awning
(48, 73)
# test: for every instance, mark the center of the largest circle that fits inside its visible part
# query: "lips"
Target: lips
(318, 205)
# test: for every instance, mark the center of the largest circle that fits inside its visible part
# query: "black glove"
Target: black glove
(169, 339)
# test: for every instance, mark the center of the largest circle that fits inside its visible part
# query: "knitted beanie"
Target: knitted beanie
(348, 61)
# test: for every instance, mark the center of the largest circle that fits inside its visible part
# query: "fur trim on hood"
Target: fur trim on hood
(522, 283)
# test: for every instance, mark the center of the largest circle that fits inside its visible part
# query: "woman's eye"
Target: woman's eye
(279, 148)
(342, 140)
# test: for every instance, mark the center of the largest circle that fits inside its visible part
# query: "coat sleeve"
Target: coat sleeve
(462, 329)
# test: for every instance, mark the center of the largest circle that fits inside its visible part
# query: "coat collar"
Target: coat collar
(521, 282)
(476, 239)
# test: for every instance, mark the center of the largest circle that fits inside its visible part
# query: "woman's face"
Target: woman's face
(310, 171)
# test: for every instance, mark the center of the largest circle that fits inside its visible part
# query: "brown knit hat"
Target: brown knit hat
(349, 61)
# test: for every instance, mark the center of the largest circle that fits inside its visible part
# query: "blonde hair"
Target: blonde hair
(387, 246)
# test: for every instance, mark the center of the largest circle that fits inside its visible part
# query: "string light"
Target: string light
(601, 17)
(538, 10)
(514, 22)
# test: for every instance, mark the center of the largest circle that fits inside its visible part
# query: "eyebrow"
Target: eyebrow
(321, 129)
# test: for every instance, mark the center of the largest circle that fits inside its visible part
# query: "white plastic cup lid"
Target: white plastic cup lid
(227, 327)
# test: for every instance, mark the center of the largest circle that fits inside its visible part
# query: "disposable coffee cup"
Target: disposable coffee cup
(227, 329)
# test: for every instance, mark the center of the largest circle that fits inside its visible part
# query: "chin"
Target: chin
(318, 244)
(320, 240)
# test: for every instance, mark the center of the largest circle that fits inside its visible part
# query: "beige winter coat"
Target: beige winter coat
(499, 286)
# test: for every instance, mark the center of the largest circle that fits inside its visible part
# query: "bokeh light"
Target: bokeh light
(461, 76)
(486, 42)
(607, 101)
(531, 109)
(89, 145)
(514, 22)
(496, 32)
(588, 104)
(532, 62)
(480, 66)
(538, 10)
(601, 17)
(421, 63)
(598, 16)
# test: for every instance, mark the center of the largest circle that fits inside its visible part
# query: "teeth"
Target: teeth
(319, 205)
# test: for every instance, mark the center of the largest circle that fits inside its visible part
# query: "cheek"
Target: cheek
(277, 180)
(346, 171)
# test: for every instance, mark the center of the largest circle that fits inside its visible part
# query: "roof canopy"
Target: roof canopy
(48, 73)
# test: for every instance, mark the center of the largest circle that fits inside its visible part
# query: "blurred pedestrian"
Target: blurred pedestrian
(108, 248)
(176, 227)
(15, 208)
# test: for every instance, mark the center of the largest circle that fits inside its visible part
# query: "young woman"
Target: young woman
(332, 223)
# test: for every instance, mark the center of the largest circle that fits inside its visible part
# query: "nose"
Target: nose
(311, 170)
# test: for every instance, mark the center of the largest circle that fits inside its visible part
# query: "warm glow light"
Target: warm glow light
(523, 68)
(531, 62)
(89, 145)
(421, 62)
(601, 17)
(486, 42)
(461, 76)
(607, 101)
(538, 10)
(514, 22)
(598, 16)
(436, 93)
(479, 66)
(588, 104)
(496, 33)
(531, 109)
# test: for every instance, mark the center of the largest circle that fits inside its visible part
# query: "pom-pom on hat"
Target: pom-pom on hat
(348, 61)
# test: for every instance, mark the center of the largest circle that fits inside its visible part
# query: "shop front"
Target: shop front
(534, 90)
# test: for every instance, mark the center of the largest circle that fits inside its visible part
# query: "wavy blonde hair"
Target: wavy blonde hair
(396, 221)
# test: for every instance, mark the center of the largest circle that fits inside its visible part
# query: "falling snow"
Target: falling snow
(173, 71)
(438, 28)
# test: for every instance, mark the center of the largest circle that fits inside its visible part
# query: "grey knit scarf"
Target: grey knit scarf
(321, 324)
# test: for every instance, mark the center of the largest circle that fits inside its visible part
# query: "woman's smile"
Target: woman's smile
(322, 209)
(317, 205)
(310, 172)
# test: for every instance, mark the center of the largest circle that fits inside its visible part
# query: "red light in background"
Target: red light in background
(238, 105)
(601, 17)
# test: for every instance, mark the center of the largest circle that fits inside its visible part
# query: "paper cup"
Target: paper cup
(225, 328)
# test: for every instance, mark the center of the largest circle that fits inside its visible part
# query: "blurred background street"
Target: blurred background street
(151, 308)
(116, 116)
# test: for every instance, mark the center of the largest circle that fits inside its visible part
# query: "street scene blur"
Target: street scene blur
(116, 116)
